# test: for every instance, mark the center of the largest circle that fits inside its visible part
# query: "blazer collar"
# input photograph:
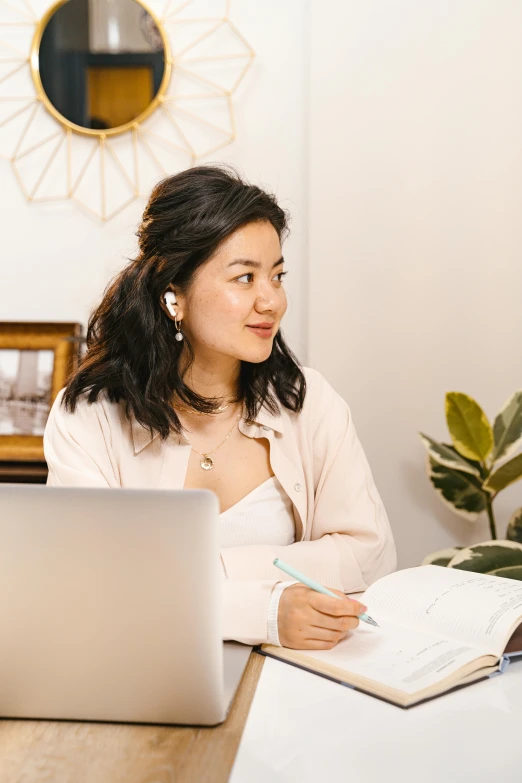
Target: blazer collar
(271, 420)
(141, 436)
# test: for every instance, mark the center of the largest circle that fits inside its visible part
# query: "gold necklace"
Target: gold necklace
(207, 463)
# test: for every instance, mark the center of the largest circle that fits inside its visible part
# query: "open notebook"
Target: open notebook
(439, 628)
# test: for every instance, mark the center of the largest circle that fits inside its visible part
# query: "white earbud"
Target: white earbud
(170, 301)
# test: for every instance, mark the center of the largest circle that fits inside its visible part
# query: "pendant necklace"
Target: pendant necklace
(207, 463)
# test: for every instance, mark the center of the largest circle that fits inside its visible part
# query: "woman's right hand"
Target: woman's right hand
(308, 620)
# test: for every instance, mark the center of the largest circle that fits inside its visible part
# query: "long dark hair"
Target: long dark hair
(132, 355)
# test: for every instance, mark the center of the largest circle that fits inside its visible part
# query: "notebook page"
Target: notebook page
(476, 609)
(401, 658)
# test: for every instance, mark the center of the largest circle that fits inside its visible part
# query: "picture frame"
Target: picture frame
(36, 359)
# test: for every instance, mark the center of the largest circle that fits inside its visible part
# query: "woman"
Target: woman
(188, 383)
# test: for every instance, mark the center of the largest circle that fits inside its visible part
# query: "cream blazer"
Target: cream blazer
(343, 538)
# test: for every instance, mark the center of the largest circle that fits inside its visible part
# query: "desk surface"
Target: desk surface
(303, 729)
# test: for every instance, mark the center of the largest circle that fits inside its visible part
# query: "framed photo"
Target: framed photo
(36, 360)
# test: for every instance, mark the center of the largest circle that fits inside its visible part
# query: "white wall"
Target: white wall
(415, 231)
(55, 261)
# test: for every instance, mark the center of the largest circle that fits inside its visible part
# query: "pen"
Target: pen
(316, 586)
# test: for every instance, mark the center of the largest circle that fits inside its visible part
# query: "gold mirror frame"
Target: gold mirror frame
(61, 338)
(34, 61)
(155, 144)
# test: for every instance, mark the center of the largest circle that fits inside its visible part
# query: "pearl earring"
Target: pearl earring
(179, 333)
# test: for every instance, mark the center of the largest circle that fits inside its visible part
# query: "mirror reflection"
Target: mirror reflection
(101, 62)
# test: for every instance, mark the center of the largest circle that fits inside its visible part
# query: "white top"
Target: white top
(264, 516)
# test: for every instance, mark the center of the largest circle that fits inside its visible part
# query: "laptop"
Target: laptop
(110, 606)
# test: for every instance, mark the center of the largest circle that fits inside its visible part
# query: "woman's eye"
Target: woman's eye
(248, 277)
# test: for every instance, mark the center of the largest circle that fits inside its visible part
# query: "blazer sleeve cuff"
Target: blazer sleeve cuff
(273, 612)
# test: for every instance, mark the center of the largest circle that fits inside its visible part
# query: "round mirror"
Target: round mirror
(100, 65)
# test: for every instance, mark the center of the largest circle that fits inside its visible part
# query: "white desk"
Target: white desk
(304, 729)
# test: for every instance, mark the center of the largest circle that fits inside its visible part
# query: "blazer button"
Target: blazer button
(265, 427)
(298, 487)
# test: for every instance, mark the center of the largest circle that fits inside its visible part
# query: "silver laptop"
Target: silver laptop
(110, 606)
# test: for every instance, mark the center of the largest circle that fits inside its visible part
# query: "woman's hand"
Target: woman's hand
(308, 620)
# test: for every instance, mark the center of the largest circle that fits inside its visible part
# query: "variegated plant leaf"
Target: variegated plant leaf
(514, 528)
(488, 556)
(448, 456)
(441, 557)
(461, 491)
(507, 427)
(509, 572)
(469, 427)
(505, 475)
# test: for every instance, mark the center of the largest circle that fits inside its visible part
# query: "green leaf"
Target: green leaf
(514, 528)
(441, 557)
(462, 491)
(509, 572)
(446, 455)
(469, 427)
(508, 473)
(481, 470)
(488, 556)
(507, 427)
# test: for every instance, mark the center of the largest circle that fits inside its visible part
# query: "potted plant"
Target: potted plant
(469, 473)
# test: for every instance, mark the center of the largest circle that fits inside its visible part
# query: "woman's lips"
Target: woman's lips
(262, 331)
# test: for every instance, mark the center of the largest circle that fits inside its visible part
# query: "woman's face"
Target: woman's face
(237, 300)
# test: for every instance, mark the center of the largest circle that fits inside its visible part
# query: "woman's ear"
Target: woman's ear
(170, 304)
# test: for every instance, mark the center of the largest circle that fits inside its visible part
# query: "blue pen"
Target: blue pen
(316, 586)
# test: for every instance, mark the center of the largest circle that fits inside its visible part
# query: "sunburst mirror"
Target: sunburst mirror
(100, 98)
